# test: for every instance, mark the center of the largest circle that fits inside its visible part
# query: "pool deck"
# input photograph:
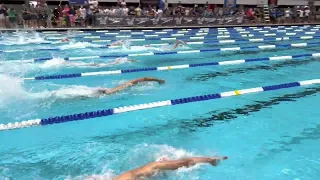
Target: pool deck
(153, 27)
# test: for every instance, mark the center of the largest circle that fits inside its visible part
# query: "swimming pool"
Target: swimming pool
(267, 135)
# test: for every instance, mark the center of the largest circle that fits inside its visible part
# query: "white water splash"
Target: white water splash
(150, 153)
(68, 92)
(58, 62)
(11, 89)
(78, 45)
(23, 39)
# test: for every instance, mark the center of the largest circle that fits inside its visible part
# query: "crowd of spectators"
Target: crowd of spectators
(41, 15)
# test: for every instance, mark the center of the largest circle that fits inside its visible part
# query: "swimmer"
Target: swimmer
(106, 91)
(117, 61)
(117, 43)
(65, 40)
(164, 164)
(179, 43)
(176, 44)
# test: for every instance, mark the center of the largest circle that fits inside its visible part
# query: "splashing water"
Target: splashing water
(78, 45)
(58, 62)
(145, 153)
(11, 89)
(22, 38)
(72, 92)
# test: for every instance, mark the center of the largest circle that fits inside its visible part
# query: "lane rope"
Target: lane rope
(124, 109)
(206, 42)
(262, 47)
(172, 67)
(193, 37)
(179, 29)
(189, 37)
(189, 34)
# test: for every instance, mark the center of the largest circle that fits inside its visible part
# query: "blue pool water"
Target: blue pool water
(266, 135)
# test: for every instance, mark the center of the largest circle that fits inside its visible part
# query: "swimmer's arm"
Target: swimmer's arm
(133, 82)
(175, 164)
(147, 79)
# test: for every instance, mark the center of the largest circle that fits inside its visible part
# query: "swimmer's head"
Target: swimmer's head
(162, 159)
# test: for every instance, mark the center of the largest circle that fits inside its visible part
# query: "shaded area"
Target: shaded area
(204, 55)
(270, 67)
(286, 145)
(185, 126)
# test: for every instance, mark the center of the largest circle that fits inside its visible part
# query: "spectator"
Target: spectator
(12, 17)
(144, 11)
(280, 15)
(287, 14)
(187, 12)
(66, 17)
(89, 18)
(306, 13)
(300, 13)
(72, 16)
(83, 15)
(207, 12)
(125, 10)
(123, 3)
(179, 10)
(131, 11)
(220, 12)
(34, 16)
(48, 15)
(26, 18)
(166, 5)
(159, 13)
(257, 15)
(138, 11)
(294, 14)
(195, 10)
(2, 16)
(251, 15)
(42, 17)
(152, 11)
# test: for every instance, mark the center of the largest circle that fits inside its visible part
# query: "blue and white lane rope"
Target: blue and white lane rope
(124, 109)
(174, 38)
(178, 33)
(182, 33)
(225, 41)
(164, 31)
(173, 67)
(262, 47)
(170, 30)
(198, 36)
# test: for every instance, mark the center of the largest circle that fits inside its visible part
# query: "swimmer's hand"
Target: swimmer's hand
(215, 160)
(161, 81)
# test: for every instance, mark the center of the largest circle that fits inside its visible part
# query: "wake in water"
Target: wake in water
(12, 89)
(59, 62)
(78, 45)
(23, 39)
